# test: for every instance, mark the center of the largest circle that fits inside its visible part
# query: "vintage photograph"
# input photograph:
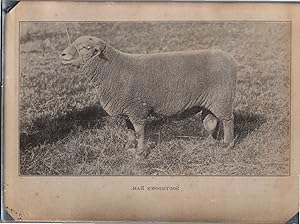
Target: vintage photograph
(154, 98)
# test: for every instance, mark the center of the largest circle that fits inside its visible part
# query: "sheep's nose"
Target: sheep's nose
(63, 54)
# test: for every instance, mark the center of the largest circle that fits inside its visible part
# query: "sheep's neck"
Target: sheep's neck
(98, 69)
(102, 73)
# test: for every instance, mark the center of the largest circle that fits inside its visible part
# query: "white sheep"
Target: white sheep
(134, 85)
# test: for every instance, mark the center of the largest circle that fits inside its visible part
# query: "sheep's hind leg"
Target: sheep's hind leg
(139, 131)
(228, 132)
(131, 138)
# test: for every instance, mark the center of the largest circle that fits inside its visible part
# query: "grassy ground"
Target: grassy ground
(64, 131)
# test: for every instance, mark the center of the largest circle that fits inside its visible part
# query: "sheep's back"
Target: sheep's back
(170, 83)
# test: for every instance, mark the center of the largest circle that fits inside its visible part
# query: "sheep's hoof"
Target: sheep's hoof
(131, 150)
(142, 154)
(131, 146)
(228, 145)
(151, 145)
(212, 140)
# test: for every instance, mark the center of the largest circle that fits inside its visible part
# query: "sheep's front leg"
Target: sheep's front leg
(228, 131)
(139, 131)
(131, 138)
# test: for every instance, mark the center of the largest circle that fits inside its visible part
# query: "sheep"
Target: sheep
(169, 83)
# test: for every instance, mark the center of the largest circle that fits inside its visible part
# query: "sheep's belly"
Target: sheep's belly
(179, 106)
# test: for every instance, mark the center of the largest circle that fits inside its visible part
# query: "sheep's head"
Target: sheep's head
(83, 49)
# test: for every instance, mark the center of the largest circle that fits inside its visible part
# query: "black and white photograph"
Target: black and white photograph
(163, 98)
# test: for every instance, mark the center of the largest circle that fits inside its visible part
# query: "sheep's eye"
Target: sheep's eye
(85, 47)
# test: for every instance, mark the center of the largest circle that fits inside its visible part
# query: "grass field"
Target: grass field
(64, 130)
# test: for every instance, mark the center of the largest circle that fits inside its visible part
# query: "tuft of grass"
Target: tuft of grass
(64, 130)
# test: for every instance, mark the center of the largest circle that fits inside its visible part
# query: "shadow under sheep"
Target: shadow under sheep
(244, 123)
(45, 130)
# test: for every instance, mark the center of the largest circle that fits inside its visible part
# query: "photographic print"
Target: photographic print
(154, 98)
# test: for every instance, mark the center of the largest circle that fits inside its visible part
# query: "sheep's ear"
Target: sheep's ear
(96, 51)
(102, 52)
(97, 48)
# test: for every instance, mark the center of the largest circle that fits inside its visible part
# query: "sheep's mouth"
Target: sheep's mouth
(75, 62)
(68, 61)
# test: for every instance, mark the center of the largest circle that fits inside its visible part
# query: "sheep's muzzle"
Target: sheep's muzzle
(70, 56)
